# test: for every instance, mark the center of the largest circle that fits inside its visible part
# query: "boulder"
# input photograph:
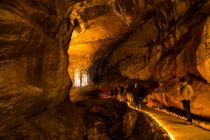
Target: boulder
(129, 122)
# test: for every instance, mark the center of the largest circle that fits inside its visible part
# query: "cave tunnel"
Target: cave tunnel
(105, 69)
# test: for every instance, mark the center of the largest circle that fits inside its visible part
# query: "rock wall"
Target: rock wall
(168, 54)
(153, 40)
(100, 26)
(157, 41)
(162, 49)
(110, 119)
(34, 40)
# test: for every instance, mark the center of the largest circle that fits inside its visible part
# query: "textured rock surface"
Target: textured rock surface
(157, 36)
(129, 122)
(168, 96)
(61, 122)
(97, 33)
(203, 53)
(152, 40)
(34, 38)
(114, 40)
(108, 119)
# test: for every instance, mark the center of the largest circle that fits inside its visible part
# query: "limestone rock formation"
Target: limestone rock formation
(203, 53)
(108, 119)
(33, 59)
(61, 122)
(113, 41)
(157, 41)
(143, 47)
(129, 122)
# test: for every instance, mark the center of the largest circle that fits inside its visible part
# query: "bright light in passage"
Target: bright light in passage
(77, 78)
(80, 79)
(84, 79)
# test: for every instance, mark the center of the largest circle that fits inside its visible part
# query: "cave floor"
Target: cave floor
(176, 127)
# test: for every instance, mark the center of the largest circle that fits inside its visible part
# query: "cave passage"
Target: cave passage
(105, 69)
(154, 51)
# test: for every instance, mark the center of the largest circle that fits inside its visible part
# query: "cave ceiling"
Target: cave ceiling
(154, 40)
(112, 40)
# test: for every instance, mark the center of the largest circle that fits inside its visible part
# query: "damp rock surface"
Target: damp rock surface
(33, 59)
(157, 41)
(113, 41)
(62, 122)
(112, 120)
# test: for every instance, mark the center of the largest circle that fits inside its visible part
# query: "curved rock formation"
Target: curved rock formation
(113, 41)
(157, 41)
(34, 40)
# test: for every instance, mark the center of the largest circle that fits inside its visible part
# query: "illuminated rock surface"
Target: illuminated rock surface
(113, 41)
(177, 128)
(169, 97)
(107, 119)
(33, 60)
(156, 41)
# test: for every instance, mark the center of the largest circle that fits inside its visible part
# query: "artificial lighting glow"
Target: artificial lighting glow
(84, 79)
(171, 136)
(77, 78)
(80, 79)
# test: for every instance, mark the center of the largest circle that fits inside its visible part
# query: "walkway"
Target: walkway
(177, 128)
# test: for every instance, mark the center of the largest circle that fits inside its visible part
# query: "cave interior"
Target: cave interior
(70, 70)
